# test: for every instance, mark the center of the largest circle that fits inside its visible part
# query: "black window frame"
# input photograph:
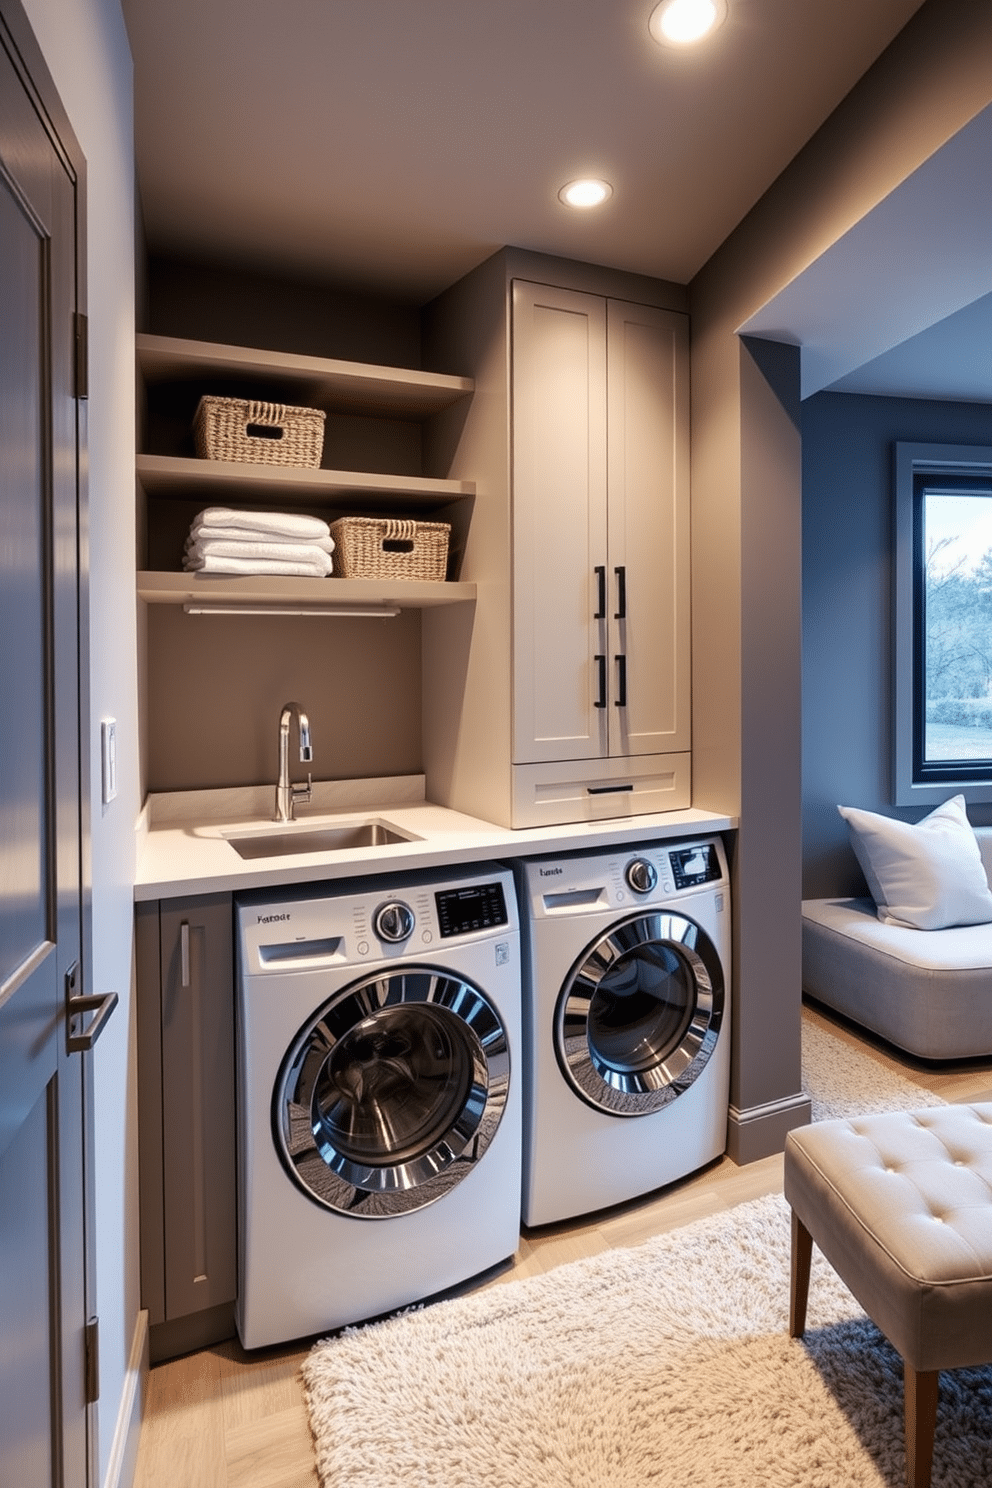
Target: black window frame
(921, 469)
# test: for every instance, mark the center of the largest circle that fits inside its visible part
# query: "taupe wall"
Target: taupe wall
(932, 80)
(219, 302)
(218, 686)
(768, 918)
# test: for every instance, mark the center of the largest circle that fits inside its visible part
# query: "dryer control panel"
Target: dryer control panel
(645, 874)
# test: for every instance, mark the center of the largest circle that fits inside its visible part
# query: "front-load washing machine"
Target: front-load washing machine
(379, 1095)
(626, 1022)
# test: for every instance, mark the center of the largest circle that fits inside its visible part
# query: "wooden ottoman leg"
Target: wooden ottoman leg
(802, 1255)
(921, 1420)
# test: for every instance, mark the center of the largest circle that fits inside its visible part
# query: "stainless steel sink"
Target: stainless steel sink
(304, 839)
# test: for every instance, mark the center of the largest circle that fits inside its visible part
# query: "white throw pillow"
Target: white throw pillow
(929, 876)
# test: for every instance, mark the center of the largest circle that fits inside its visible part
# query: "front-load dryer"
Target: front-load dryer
(379, 1095)
(626, 1022)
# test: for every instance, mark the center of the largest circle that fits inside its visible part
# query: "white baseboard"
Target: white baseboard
(124, 1450)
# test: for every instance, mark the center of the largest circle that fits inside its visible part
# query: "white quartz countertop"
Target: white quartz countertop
(184, 844)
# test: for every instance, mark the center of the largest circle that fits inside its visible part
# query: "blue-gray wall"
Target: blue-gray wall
(848, 466)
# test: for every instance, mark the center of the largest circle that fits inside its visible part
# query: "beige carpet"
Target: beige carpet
(668, 1364)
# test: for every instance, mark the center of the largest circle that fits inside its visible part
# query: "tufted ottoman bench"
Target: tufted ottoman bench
(901, 1206)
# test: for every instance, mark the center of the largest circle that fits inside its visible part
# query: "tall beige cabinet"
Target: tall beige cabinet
(566, 697)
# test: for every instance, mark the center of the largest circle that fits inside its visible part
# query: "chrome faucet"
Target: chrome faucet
(288, 794)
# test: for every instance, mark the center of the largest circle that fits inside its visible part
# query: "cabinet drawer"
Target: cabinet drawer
(595, 790)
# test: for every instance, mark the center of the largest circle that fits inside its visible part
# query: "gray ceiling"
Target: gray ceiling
(394, 144)
(389, 146)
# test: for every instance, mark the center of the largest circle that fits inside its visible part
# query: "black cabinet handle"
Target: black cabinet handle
(600, 572)
(621, 574)
(621, 681)
(601, 663)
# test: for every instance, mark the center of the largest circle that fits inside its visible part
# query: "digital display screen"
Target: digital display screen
(477, 908)
(694, 865)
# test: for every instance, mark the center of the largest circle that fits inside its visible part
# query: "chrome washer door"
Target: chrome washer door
(638, 1017)
(391, 1092)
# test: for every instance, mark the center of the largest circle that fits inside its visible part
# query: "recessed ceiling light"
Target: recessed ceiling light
(681, 22)
(585, 193)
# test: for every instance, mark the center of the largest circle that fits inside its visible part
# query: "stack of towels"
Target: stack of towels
(253, 542)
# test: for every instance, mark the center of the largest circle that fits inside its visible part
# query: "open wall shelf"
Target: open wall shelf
(315, 382)
(176, 477)
(274, 593)
(173, 484)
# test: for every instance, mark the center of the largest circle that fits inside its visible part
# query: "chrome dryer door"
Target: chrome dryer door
(639, 1014)
(391, 1092)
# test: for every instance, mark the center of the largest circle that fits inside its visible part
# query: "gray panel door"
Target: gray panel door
(45, 1435)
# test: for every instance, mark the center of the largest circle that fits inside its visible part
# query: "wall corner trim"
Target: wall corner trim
(124, 1449)
(760, 1131)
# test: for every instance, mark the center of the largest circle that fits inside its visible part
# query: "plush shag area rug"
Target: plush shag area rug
(845, 1079)
(668, 1364)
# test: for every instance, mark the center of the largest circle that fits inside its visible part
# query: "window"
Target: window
(943, 623)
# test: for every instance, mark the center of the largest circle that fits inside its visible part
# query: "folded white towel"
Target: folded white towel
(282, 524)
(203, 535)
(211, 563)
(273, 552)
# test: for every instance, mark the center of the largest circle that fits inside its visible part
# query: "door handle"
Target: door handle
(600, 611)
(76, 1004)
(601, 700)
(621, 574)
(621, 681)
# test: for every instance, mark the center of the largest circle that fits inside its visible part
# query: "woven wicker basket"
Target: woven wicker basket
(386, 548)
(258, 433)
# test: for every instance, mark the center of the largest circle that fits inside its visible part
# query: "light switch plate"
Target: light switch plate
(108, 743)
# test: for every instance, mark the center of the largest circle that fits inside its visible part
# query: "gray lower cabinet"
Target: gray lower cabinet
(186, 1120)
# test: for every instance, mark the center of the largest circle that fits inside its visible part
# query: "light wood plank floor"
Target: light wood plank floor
(226, 1419)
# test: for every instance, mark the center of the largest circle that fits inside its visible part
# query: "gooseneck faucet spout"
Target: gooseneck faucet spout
(288, 794)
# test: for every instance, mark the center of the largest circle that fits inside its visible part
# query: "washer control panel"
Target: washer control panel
(641, 875)
(401, 918)
(393, 921)
(695, 865)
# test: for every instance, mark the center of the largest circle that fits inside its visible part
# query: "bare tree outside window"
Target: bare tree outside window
(942, 624)
(957, 599)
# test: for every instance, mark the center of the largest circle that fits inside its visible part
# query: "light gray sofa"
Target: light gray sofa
(926, 991)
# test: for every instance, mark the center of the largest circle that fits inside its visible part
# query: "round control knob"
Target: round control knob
(641, 875)
(393, 921)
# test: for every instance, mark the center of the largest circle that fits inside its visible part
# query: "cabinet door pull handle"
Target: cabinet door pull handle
(621, 574)
(600, 572)
(621, 681)
(184, 972)
(601, 664)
